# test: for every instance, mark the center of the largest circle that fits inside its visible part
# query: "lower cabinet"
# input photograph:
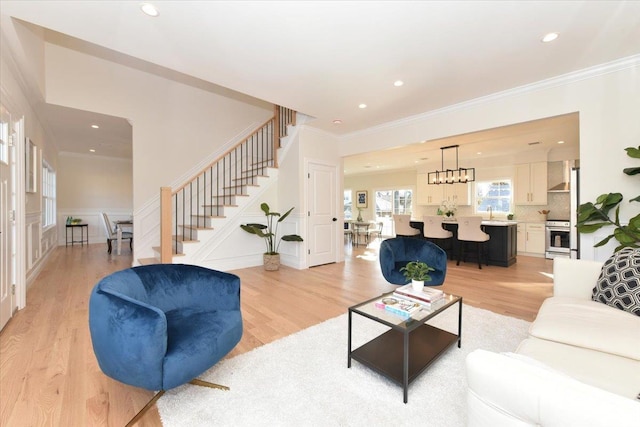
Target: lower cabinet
(531, 238)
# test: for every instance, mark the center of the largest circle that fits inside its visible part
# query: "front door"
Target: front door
(321, 238)
(7, 216)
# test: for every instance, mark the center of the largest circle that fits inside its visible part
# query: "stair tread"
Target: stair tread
(194, 227)
(183, 240)
(157, 249)
(148, 261)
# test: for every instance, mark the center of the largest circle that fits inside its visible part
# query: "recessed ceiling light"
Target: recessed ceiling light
(560, 142)
(549, 37)
(479, 152)
(92, 150)
(150, 9)
(398, 83)
(362, 106)
(337, 122)
(95, 126)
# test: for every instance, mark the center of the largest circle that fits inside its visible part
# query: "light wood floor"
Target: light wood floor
(49, 375)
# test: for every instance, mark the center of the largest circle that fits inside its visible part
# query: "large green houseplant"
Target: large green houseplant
(269, 232)
(594, 216)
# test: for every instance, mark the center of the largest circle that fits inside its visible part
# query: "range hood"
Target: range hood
(566, 174)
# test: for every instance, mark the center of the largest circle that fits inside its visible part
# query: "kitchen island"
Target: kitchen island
(502, 247)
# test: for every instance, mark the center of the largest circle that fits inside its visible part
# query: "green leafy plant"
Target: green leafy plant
(594, 216)
(417, 270)
(269, 231)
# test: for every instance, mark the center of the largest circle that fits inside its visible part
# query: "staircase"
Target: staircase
(190, 214)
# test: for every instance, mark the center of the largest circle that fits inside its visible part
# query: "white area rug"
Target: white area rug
(303, 380)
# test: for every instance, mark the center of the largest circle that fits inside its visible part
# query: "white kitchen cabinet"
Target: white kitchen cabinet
(531, 238)
(434, 195)
(429, 195)
(530, 186)
(457, 193)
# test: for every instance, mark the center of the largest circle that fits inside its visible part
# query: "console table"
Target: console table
(84, 238)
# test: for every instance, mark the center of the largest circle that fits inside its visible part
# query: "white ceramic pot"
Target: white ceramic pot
(417, 285)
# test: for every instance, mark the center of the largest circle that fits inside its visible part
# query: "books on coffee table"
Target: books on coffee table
(426, 296)
(399, 306)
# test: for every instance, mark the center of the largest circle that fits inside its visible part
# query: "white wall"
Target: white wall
(18, 45)
(177, 127)
(607, 99)
(88, 185)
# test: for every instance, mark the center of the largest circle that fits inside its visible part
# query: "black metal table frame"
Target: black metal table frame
(389, 341)
(82, 238)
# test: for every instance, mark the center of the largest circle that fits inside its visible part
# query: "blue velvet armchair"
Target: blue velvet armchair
(397, 252)
(160, 326)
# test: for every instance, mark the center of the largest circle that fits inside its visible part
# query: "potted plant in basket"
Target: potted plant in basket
(269, 233)
(418, 273)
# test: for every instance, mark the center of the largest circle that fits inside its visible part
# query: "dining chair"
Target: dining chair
(348, 232)
(470, 231)
(112, 233)
(375, 232)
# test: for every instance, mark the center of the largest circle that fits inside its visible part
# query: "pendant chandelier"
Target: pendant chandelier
(451, 176)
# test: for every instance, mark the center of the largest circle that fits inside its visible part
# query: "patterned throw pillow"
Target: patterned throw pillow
(619, 281)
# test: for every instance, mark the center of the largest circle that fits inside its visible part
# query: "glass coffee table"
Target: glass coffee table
(403, 352)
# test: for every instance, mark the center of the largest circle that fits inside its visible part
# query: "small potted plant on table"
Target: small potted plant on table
(418, 273)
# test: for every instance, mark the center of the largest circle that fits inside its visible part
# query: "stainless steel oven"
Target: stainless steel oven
(558, 238)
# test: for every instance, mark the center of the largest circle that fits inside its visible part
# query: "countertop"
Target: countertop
(494, 222)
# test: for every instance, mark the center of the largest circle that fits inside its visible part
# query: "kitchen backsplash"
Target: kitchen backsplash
(557, 203)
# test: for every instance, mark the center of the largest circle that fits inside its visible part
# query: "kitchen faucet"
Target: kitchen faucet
(490, 209)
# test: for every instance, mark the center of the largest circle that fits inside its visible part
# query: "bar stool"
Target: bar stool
(402, 227)
(434, 232)
(469, 231)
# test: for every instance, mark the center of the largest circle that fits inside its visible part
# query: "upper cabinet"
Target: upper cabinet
(456, 193)
(531, 184)
(434, 195)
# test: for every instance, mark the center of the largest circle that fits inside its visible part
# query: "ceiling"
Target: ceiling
(492, 147)
(324, 58)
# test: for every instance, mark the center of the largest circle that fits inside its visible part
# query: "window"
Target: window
(494, 194)
(389, 202)
(48, 196)
(347, 204)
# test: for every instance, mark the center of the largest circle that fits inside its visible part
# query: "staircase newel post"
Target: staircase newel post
(165, 226)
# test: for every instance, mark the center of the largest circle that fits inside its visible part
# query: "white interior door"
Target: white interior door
(322, 217)
(7, 217)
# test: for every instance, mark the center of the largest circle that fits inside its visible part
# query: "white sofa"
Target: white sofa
(580, 365)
